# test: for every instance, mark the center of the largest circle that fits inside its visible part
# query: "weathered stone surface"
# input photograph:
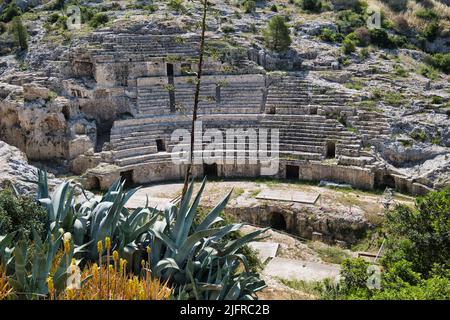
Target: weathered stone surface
(14, 169)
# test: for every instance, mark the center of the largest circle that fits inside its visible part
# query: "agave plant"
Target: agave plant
(6, 249)
(96, 219)
(31, 271)
(191, 255)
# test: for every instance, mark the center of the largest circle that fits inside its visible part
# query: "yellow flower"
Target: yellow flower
(107, 243)
(74, 262)
(148, 249)
(100, 247)
(95, 270)
(50, 284)
(115, 255)
(142, 263)
(66, 246)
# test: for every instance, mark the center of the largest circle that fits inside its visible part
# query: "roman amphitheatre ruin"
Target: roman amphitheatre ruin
(104, 104)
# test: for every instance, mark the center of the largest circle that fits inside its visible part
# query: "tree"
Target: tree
(277, 36)
(20, 33)
(312, 5)
(420, 235)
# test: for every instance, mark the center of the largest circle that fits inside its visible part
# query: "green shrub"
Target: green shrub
(348, 21)
(87, 13)
(98, 19)
(53, 18)
(429, 72)
(11, 11)
(364, 53)
(354, 275)
(397, 5)
(348, 45)
(249, 6)
(21, 214)
(329, 35)
(176, 5)
(380, 38)
(277, 36)
(420, 235)
(427, 14)
(312, 5)
(440, 61)
(20, 33)
(395, 99)
(400, 71)
(274, 8)
(431, 30)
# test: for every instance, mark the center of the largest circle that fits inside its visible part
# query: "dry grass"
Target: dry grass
(410, 14)
(5, 288)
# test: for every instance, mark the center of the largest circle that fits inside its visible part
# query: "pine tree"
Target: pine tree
(20, 33)
(277, 35)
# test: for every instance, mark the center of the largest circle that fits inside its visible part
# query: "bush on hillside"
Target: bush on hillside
(98, 20)
(397, 5)
(21, 214)
(11, 11)
(440, 61)
(312, 5)
(277, 36)
(20, 33)
(348, 21)
(249, 6)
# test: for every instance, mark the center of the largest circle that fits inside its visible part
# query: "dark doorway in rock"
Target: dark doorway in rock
(95, 183)
(388, 181)
(271, 110)
(331, 150)
(277, 221)
(66, 112)
(292, 172)
(103, 133)
(127, 176)
(210, 170)
(171, 82)
(160, 145)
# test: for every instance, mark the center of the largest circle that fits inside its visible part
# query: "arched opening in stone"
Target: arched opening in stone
(66, 112)
(95, 183)
(292, 172)
(160, 145)
(277, 221)
(103, 133)
(331, 150)
(127, 176)
(388, 181)
(210, 170)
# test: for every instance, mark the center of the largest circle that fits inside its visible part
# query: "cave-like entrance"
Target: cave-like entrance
(210, 170)
(388, 182)
(277, 221)
(103, 133)
(331, 150)
(292, 172)
(127, 176)
(160, 145)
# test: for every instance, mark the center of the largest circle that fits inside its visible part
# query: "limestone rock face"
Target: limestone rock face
(14, 168)
(41, 124)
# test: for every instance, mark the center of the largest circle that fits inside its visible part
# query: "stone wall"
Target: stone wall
(358, 177)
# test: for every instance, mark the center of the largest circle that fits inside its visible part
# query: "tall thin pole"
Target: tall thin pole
(196, 100)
